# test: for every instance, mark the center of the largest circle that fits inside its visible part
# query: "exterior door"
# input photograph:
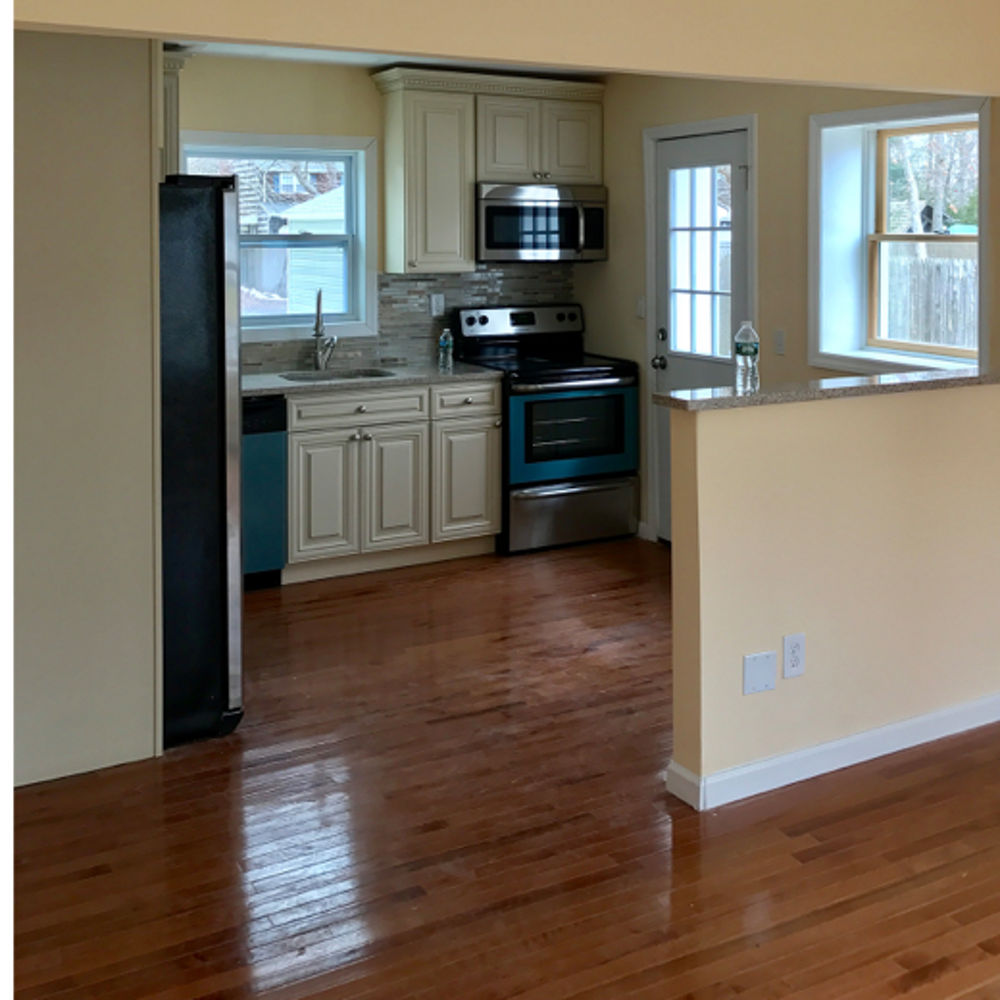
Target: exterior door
(702, 267)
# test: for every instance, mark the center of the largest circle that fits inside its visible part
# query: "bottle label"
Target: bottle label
(747, 350)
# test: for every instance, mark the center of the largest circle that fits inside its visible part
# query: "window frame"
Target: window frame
(880, 236)
(361, 152)
(839, 323)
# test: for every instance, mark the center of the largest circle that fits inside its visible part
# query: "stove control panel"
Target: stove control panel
(513, 321)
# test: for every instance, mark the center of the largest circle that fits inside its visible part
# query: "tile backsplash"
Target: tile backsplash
(407, 331)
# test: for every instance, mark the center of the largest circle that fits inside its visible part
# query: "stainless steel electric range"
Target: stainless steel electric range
(570, 427)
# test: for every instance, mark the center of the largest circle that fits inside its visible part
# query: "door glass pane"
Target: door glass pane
(680, 198)
(703, 261)
(703, 196)
(721, 279)
(723, 326)
(703, 324)
(723, 195)
(680, 260)
(680, 322)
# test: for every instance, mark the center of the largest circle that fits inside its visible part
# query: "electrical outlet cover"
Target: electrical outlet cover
(760, 671)
(437, 303)
(794, 659)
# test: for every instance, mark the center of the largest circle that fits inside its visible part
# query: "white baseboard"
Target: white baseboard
(734, 783)
(646, 531)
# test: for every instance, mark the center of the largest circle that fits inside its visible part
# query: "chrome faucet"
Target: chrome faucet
(324, 344)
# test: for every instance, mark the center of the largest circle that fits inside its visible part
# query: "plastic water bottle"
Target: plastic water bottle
(445, 344)
(746, 347)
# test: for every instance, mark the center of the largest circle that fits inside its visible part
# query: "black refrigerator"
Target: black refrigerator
(200, 443)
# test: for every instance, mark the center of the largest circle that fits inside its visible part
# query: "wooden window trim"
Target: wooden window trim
(880, 236)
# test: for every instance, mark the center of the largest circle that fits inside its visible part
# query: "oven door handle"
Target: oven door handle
(546, 492)
(522, 388)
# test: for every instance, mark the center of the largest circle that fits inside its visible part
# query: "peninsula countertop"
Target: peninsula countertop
(726, 397)
(273, 384)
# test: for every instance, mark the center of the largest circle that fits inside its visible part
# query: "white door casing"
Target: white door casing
(677, 160)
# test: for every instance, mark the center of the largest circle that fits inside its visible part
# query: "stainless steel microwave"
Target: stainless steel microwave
(541, 222)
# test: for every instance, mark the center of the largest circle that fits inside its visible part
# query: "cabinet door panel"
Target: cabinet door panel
(323, 501)
(572, 141)
(395, 476)
(507, 138)
(466, 471)
(440, 174)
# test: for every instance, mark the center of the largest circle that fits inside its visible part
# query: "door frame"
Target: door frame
(650, 137)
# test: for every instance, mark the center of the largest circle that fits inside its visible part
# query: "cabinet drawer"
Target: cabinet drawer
(357, 407)
(467, 399)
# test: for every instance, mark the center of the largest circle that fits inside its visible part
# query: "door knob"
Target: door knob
(659, 362)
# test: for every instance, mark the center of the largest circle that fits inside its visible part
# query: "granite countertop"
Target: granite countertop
(726, 397)
(273, 384)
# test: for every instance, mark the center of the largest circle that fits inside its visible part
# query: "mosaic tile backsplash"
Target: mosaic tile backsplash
(407, 331)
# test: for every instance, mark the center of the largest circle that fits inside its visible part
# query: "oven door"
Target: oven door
(561, 435)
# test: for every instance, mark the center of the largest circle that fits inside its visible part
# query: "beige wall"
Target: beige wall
(284, 98)
(889, 45)
(84, 650)
(869, 524)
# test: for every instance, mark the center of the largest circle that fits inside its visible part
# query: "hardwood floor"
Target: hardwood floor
(449, 786)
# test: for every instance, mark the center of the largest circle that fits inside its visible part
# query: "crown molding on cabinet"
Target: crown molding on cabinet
(413, 78)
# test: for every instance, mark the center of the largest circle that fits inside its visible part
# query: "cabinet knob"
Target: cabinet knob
(467, 401)
(356, 436)
(411, 263)
(361, 408)
(499, 423)
(547, 175)
(537, 174)
(366, 436)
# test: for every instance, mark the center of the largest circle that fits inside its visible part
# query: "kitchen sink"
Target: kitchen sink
(328, 375)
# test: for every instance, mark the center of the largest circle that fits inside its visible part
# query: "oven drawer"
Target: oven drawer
(356, 406)
(467, 399)
(577, 511)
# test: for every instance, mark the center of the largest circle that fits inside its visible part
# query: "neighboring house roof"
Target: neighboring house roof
(328, 207)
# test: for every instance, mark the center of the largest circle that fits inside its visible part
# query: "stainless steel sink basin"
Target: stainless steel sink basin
(328, 375)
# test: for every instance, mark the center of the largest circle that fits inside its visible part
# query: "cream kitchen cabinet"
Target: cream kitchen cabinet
(358, 481)
(465, 461)
(520, 140)
(430, 173)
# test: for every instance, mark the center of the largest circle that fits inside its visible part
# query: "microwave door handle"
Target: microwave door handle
(581, 240)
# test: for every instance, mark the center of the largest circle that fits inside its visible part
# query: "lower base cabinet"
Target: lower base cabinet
(466, 478)
(363, 482)
(358, 490)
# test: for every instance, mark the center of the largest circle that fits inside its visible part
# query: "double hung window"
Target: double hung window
(306, 226)
(923, 285)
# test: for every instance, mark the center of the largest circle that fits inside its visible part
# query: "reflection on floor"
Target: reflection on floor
(450, 785)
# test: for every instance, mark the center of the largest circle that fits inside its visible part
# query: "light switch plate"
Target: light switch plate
(760, 671)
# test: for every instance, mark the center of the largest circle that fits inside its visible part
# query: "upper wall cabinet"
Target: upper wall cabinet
(524, 129)
(519, 140)
(429, 181)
